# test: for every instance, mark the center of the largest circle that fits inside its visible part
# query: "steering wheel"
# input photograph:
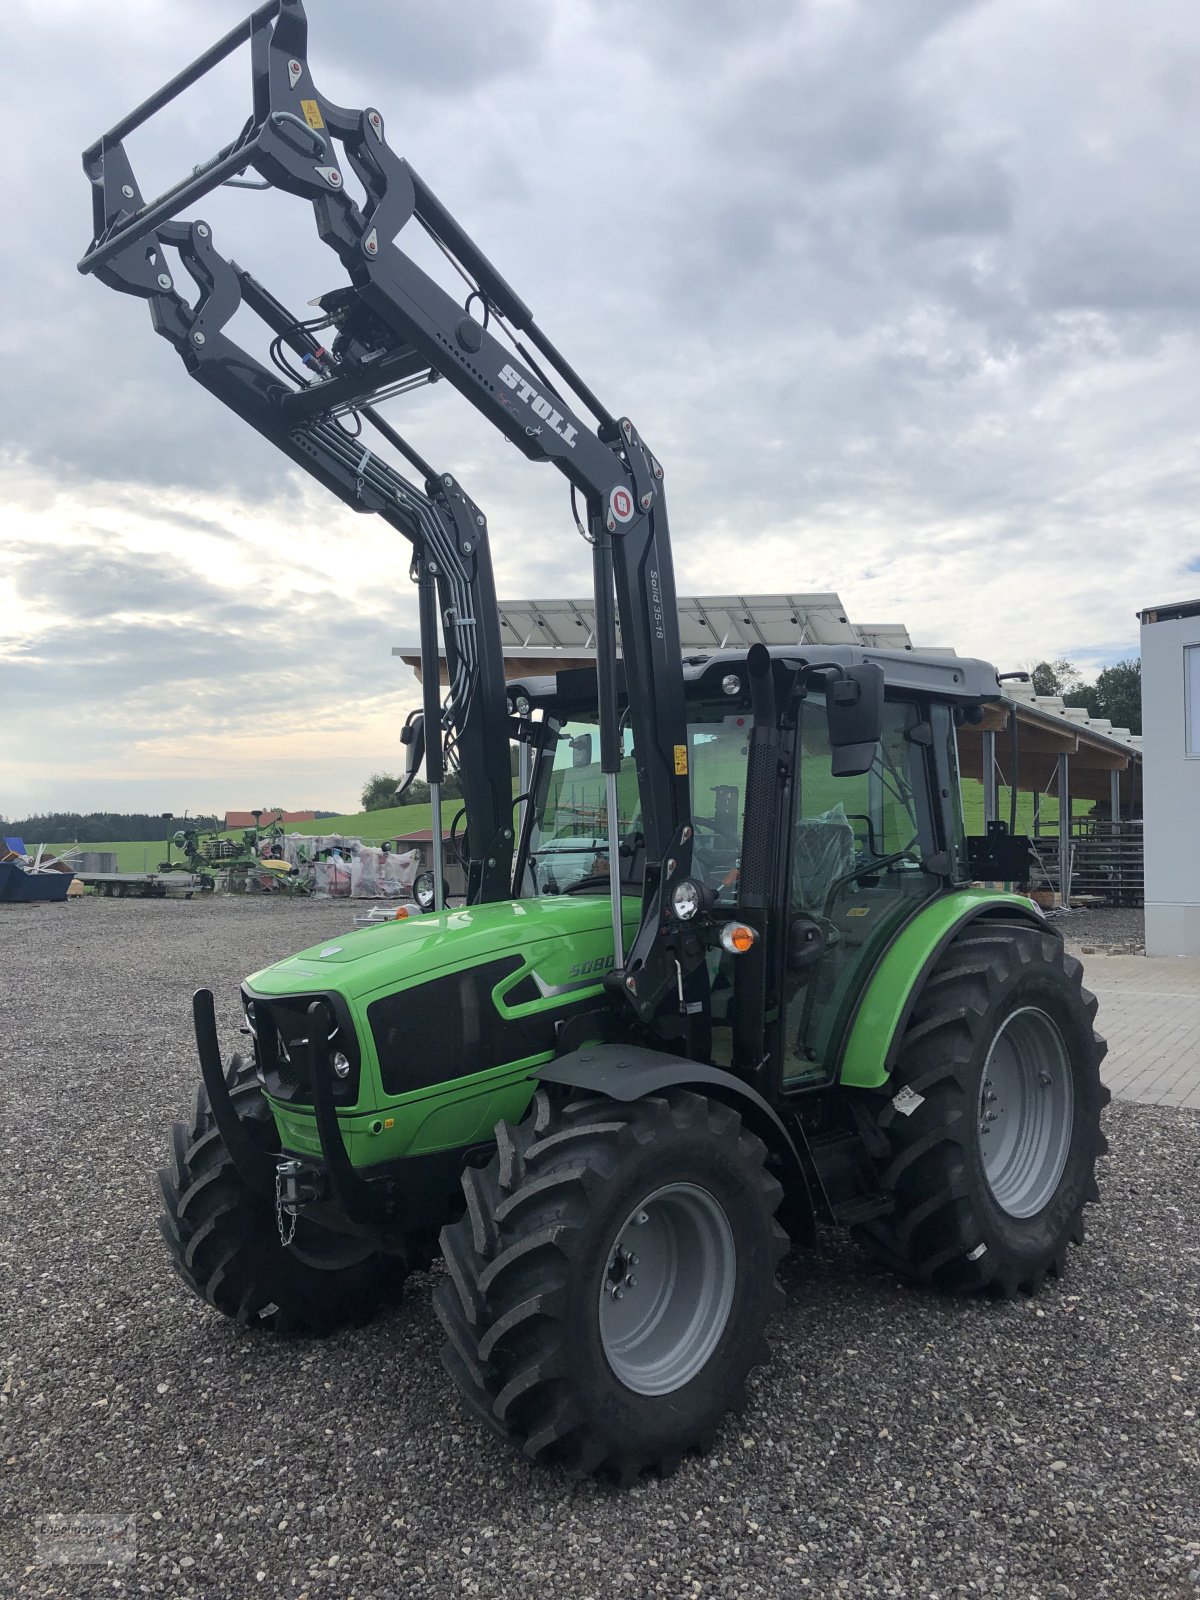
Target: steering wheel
(596, 880)
(729, 877)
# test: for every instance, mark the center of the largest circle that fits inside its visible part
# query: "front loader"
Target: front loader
(722, 968)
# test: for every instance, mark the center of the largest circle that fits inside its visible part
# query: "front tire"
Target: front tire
(991, 1127)
(224, 1238)
(566, 1341)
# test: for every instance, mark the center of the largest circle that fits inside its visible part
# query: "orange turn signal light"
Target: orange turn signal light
(401, 913)
(738, 937)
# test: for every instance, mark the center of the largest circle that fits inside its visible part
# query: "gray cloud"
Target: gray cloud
(903, 295)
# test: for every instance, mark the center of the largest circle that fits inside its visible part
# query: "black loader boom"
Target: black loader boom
(394, 328)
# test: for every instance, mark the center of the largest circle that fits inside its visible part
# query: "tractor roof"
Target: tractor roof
(948, 676)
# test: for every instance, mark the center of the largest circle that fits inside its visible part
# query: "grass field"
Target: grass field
(373, 827)
(133, 855)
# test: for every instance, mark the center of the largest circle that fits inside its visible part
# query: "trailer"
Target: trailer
(146, 885)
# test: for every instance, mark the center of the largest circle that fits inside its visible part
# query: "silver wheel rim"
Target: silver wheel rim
(667, 1289)
(1026, 1111)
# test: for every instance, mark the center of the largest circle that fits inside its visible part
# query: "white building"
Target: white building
(1171, 753)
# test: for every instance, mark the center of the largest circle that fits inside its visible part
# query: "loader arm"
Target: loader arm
(397, 327)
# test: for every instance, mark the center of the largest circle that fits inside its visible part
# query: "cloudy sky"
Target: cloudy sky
(904, 293)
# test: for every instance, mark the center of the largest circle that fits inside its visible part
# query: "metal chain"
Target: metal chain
(285, 1236)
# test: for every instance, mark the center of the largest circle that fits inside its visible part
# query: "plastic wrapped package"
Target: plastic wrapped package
(331, 880)
(822, 852)
(398, 871)
(366, 877)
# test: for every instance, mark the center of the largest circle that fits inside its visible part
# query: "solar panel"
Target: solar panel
(706, 622)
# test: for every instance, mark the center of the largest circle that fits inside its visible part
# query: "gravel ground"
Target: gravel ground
(898, 1445)
(1104, 926)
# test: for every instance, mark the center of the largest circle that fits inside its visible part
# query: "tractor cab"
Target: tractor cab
(855, 855)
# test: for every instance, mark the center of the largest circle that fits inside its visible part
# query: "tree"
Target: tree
(379, 791)
(1119, 694)
(1116, 693)
(1056, 677)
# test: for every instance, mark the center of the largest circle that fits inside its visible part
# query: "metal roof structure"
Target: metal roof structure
(706, 622)
(542, 636)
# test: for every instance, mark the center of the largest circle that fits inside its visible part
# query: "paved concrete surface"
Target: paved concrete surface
(1150, 1015)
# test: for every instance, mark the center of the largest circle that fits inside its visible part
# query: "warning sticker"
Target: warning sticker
(620, 503)
(312, 113)
(681, 761)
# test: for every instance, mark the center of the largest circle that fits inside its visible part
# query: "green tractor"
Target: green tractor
(877, 1046)
(722, 976)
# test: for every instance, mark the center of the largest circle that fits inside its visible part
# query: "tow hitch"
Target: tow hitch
(296, 1185)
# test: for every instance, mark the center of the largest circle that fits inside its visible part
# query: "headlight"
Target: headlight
(731, 683)
(686, 899)
(523, 705)
(251, 1018)
(341, 1064)
(423, 890)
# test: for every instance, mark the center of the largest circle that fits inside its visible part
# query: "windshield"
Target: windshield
(568, 848)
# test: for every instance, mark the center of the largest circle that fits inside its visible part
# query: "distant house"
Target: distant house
(245, 819)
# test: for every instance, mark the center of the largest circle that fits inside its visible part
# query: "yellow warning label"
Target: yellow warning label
(859, 911)
(312, 113)
(681, 761)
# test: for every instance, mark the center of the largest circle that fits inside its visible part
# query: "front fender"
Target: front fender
(630, 1072)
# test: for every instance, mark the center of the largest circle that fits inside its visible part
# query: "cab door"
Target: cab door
(855, 873)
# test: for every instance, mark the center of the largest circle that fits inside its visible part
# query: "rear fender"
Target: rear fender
(888, 999)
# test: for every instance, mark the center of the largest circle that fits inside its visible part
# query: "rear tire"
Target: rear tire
(991, 1127)
(224, 1238)
(546, 1352)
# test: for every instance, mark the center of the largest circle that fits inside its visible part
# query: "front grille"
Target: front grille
(281, 1031)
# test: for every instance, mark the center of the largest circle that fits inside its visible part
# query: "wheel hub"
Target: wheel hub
(667, 1289)
(1026, 1112)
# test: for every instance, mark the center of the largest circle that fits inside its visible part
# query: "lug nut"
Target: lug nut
(618, 1293)
(633, 1261)
(631, 1282)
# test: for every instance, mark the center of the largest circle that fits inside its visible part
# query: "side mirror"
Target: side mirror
(854, 706)
(806, 944)
(581, 750)
(412, 734)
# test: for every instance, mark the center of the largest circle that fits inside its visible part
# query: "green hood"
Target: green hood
(363, 961)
